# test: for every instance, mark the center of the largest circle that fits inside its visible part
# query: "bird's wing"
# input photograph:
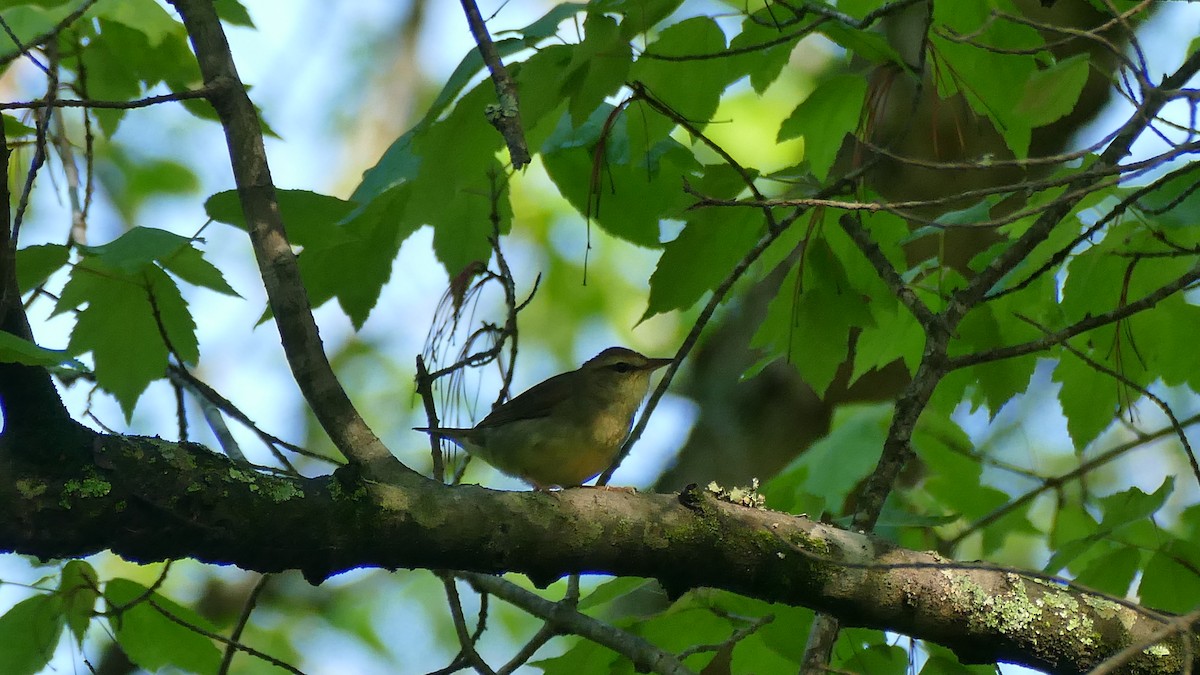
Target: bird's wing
(537, 401)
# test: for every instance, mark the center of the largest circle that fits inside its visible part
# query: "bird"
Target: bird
(567, 429)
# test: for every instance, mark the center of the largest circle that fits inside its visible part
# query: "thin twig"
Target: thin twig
(644, 655)
(886, 271)
(243, 620)
(1178, 625)
(425, 391)
(465, 642)
(146, 102)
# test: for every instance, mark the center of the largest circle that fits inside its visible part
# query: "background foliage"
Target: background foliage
(733, 182)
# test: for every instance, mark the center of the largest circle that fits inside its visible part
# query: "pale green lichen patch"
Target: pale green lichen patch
(89, 486)
(1074, 622)
(175, 455)
(747, 496)
(281, 491)
(30, 489)
(1107, 609)
(276, 489)
(1006, 613)
(338, 491)
(1158, 651)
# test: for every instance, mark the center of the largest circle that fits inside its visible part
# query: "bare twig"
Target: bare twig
(644, 655)
(466, 643)
(425, 391)
(146, 102)
(243, 620)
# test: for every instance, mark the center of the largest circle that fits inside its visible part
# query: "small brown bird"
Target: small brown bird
(567, 429)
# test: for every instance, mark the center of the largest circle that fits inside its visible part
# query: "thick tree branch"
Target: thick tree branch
(148, 499)
(276, 262)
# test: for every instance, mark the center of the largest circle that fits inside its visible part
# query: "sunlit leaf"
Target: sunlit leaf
(156, 632)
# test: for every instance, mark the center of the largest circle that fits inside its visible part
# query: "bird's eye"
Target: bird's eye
(621, 367)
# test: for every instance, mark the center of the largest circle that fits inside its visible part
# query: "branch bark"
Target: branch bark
(148, 499)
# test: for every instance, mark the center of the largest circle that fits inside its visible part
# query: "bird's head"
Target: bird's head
(621, 372)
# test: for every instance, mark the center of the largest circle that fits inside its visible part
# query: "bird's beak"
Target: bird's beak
(654, 364)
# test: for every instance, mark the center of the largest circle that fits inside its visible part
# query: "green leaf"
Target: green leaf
(763, 65)
(333, 231)
(686, 623)
(1170, 582)
(638, 180)
(695, 262)
(599, 66)
(942, 661)
(809, 321)
(987, 78)
(79, 587)
(28, 22)
(13, 128)
(1051, 94)
(987, 327)
(453, 192)
(830, 112)
(638, 16)
(133, 180)
(548, 24)
(467, 69)
(1095, 547)
(137, 249)
(122, 63)
(865, 651)
(1112, 572)
(309, 218)
(1071, 522)
(539, 79)
(584, 657)
(1088, 399)
(690, 90)
(29, 633)
(895, 334)
(189, 264)
(823, 476)
(955, 475)
(1169, 352)
(859, 8)
(399, 164)
(372, 238)
(144, 16)
(1174, 204)
(120, 326)
(36, 263)
(979, 212)
(18, 350)
(613, 589)
(1133, 505)
(152, 640)
(868, 44)
(233, 12)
